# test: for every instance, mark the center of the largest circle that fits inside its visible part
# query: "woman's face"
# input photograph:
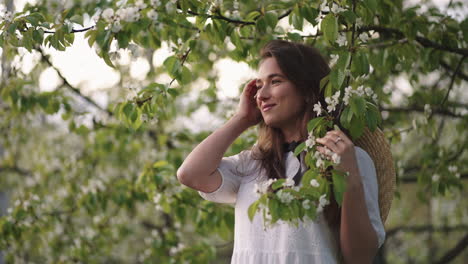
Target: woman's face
(277, 97)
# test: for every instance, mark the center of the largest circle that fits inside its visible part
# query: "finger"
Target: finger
(328, 142)
(342, 135)
(334, 137)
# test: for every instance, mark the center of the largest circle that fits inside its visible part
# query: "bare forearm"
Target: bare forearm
(205, 158)
(358, 239)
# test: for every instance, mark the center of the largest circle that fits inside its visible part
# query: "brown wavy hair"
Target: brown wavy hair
(305, 67)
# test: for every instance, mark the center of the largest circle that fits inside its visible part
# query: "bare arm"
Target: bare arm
(199, 169)
(358, 239)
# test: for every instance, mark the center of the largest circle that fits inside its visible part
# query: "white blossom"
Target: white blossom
(336, 8)
(8, 16)
(318, 108)
(289, 182)
(114, 55)
(341, 40)
(334, 59)
(116, 27)
(285, 197)
(369, 91)
(374, 97)
(427, 109)
(157, 198)
(323, 201)
(108, 14)
(336, 158)
(319, 163)
(140, 4)
(152, 14)
(360, 90)
(314, 183)
(415, 125)
(155, 3)
(453, 168)
(170, 8)
(310, 142)
(318, 18)
(359, 22)
(363, 37)
(324, 6)
(306, 204)
(332, 102)
(128, 14)
(435, 177)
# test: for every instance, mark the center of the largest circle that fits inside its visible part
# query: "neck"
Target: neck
(291, 133)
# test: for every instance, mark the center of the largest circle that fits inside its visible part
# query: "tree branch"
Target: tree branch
(425, 228)
(69, 86)
(73, 30)
(448, 68)
(423, 41)
(442, 112)
(454, 252)
(452, 81)
(405, 180)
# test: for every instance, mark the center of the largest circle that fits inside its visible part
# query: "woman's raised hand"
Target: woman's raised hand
(247, 108)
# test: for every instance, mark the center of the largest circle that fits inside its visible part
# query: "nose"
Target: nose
(263, 94)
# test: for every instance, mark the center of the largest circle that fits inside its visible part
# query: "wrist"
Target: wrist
(241, 121)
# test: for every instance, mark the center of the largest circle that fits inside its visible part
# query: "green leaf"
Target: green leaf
(38, 36)
(271, 20)
(312, 124)
(274, 208)
(160, 164)
(310, 14)
(358, 105)
(346, 117)
(373, 117)
(252, 15)
(329, 27)
(172, 65)
(294, 36)
(339, 185)
(299, 148)
(337, 77)
(371, 5)
(356, 127)
(360, 64)
(324, 82)
(277, 184)
(328, 89)
(186, 75)
(296, 19)
(349, 16)
(78, 19)
(252, 209)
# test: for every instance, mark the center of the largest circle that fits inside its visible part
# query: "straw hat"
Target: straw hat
(378, 148)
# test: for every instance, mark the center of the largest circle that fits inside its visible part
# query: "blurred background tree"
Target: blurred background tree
(89, 174)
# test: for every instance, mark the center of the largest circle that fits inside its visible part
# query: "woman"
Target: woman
(281, 102)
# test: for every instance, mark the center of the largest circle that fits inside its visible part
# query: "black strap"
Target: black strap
(291, 146)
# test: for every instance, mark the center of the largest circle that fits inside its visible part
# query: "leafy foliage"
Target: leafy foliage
(106, 191)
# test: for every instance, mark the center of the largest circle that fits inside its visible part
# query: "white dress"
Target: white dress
(283, 243)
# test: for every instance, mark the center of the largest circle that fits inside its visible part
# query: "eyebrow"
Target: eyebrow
(271, 76)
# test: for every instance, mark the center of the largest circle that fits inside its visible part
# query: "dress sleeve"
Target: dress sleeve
(230, 169)
(371, 192)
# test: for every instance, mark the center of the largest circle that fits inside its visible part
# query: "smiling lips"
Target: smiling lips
(267, 107)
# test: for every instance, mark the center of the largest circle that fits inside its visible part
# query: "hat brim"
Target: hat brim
(376, 145)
